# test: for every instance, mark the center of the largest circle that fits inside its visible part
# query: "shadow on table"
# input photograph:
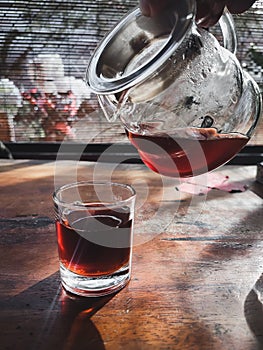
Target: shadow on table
(253, 310)
(44, 316)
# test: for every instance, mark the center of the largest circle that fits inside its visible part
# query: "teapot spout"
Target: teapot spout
(108, 104)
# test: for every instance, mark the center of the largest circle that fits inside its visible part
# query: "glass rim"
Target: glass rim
(94, 205)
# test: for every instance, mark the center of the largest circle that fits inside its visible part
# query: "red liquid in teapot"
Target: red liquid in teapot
(186, 152)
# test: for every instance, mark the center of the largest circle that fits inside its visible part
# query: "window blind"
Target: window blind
(45, 47)
(44, 51)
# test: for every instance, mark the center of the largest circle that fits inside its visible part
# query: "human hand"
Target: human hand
(208, 11)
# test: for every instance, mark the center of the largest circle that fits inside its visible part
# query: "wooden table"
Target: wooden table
(196, 259)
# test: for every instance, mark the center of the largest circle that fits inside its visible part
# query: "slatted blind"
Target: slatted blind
(44, 50)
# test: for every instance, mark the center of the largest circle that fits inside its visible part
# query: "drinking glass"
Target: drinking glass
(94, 225)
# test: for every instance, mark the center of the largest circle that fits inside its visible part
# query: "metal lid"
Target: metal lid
(137, 47)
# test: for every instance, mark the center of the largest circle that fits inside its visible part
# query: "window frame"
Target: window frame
(249, 155)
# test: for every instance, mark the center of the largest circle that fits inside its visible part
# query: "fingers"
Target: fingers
(238, 6)
(208, 11)
(152, 8)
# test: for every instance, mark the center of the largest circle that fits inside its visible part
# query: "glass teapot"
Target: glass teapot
(183, 99)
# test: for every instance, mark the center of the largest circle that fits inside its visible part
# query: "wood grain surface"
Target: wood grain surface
(196, 260)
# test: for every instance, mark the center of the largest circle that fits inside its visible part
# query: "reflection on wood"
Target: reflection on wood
(195, 262)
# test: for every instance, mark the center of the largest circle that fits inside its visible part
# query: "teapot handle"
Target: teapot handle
(227, 26)
(108, 104)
